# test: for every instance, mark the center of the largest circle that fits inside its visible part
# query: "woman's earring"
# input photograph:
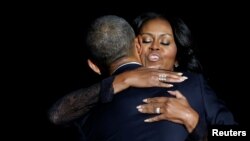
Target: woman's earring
(176, 65)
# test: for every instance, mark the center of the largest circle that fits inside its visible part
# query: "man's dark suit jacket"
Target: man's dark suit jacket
(119, 120)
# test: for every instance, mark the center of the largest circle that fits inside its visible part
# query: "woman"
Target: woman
(159, 45)
(165, 44)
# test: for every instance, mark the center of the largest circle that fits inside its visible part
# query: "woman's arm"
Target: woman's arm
(178, 110)
(74, 104)
(78, 103)
(175, 109)
(146, 77)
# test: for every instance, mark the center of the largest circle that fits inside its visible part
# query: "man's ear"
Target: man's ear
(138, 46)
(94, 67)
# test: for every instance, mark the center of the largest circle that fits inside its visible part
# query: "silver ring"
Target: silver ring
(162, 77)
(157, 110)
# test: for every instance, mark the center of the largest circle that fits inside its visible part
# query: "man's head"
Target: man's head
(109, 39)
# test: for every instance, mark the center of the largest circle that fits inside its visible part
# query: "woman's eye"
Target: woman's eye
(165, 44)
(146, 41)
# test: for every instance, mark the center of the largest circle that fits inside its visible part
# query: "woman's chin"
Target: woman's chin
(154, 66)
(159, 67)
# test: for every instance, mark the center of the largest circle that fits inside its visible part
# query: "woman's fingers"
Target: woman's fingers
(173, 108)
(177, 94)
(149, 77)
(156, 100)
(152, 108)
(159, 118)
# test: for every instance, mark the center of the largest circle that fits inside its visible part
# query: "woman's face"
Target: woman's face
(158, 49)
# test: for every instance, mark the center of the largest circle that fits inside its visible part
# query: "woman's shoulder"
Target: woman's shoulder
(196, 77)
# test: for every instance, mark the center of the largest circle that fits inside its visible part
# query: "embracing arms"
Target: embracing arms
(78, 103)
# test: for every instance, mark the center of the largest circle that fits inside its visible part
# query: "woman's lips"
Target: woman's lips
(153, 57)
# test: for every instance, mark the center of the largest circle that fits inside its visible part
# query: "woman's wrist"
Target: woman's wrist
(121, 82)
(191, 120)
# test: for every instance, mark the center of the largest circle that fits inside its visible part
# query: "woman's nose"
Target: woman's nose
(154, 46)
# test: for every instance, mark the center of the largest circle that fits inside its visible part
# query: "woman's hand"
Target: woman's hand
(146, 77)
(175, 109)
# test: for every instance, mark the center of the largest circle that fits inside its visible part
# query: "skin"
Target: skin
(146, 77)
(158, 50)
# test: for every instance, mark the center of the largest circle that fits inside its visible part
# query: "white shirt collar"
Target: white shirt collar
(124, 65)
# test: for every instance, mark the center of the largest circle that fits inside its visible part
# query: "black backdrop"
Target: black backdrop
(59, 61)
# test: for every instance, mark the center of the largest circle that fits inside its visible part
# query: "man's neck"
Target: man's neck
(120, 62)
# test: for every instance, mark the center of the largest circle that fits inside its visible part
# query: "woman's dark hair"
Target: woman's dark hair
(185, 54)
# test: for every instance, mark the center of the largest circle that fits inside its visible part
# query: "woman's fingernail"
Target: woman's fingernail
(145, 100)
(179, 73)
(184, 77)
(140, 110)
(138, 107)
(147, 120)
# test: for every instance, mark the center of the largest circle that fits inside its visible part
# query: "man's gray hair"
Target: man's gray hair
(109, 39)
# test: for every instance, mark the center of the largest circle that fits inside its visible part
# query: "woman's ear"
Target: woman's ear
(94, 67)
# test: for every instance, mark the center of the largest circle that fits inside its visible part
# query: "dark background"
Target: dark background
(56, 60)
